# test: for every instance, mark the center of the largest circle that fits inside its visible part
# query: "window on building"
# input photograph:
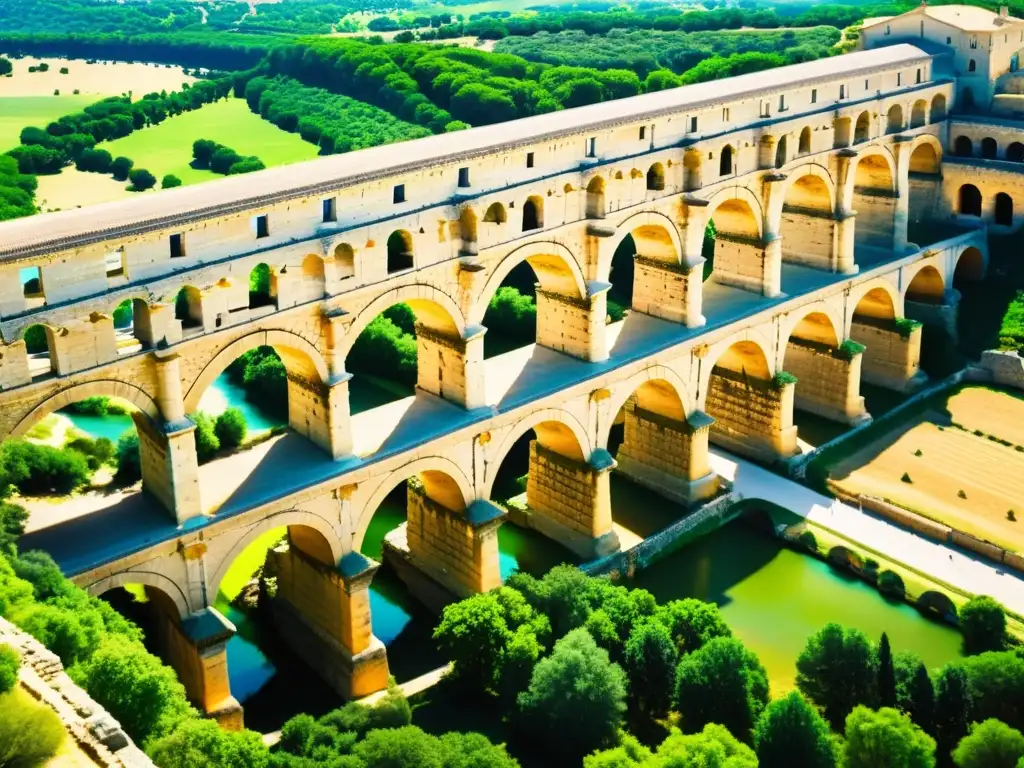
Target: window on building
(262, 226)
(330, 209)
(814, 95)
(592, 147)
(643, 132)
(693, 124)
(867, 85)
(725, 114)
(899, 78)
(114, 261)
(842, 91)
(974, 42)
(177, 244)
(949, 40)
(398, 194)
(782, 102)
(463, 177)
(529, 159)
(917, 77)
(971, 66)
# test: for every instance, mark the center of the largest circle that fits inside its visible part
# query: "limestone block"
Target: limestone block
(14, 368)
(752, 416)
(889, 360)
(827, 384)
(573, 326)
(808, 238)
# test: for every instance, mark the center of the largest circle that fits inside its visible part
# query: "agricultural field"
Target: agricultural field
(167, 148)
(963, 468)
(16, 112)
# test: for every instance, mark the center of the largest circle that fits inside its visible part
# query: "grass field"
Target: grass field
(965, 480)
(17, 112)
(167, 148)
(95, 80)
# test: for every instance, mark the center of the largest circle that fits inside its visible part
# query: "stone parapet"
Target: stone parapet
(94, 730)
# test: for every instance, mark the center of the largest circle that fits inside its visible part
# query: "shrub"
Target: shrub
(97, 452)
(94, 161)
(886, 738)
(141, 179)
(230, 428)
(170, 181)
(30, 733)
(203, 742)
(791, 732)
(905, 326)
(223, 158)
(849, 349)
(890, 583)
(1011, 516)
(121, 167)
(983, 624)
(836, 670)
(991, 744)
(10, 662)
(207, 442)
(906, 478)
(42, 469)
(202, 152)
(782, 378)
(808, 541)
(129, 460)
(246, 165)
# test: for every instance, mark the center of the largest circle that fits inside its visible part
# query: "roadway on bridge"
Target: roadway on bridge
(957, 568)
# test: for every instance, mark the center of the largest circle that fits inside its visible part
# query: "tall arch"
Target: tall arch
(873, 197)
(656, 177)
(691, 170)
(164, 585)
(919, 114)
(533, 213)
(963, 147)
(726, 161)
(938, 110)
(925, 188)
(1004, 210)
(862, 129)
(663, 392)
(827, 382)
(596, 205)
(400, 254)
(782, 152)
(806, 218)
(971, 266)
(804, 146)
(989, 148)
(926, 286)
(968, 200)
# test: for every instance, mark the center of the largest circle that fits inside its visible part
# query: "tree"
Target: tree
(207, 442)
(692, 623)
(886, 674)
(6, 67)
(120, 167)
(94, 160)
(170, 181)
(473, 633)
(886, 739)
(231, 428)
(995, 682)
(983, 624)
(713, 747)
(202, 152)
(129, 460)
(141, 179)
(223, 158)
(721, 682)
(246, 165)
(10, 662)
(991, 744)
(12, 524)
(915, 693)
(650, 662)
(30, 733)
(791, 732)
(952, 707)
(576, 699)
(836, 670)
(203, 742)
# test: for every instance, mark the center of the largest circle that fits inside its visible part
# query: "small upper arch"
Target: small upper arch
(660, 384)
(737, 211)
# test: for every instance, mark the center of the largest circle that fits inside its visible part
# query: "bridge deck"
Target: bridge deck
(109, 527)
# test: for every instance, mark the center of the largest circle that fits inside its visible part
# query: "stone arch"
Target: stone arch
(970, 265)
(595, 203)
(926, 286)
(726, 160)
(875, 300)
(938, 110)
(968, 200)
(737, 211)
(99, 388)
(817, 323)
(654, 234)
(747, 351)
(284, 519)
(919, 113)
(344, 259)
(556, 268)
(400, 252)
(804, 145)
(1015, 152)
(495, 214)
(298, 355)
(443, 479)
(807, 187)
(936, 602)
(989, 148)
(691, 170)
(894, 119)
(862, 128)
(926, 156)
(468, 228)
(656, 177)
(1003, 209)
(188, 306)
(433, 307)
(533, 213)
(556, 428)
(659, 389)
(963, 146)
(871, 191)
(168, 587)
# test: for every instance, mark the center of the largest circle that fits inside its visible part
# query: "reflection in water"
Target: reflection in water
(774, 598)
(110, 427)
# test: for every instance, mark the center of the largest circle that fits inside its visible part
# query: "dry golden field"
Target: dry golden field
(967, 481)
(99, 79)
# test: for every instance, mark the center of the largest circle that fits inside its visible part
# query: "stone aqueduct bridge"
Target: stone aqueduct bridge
(812, 175)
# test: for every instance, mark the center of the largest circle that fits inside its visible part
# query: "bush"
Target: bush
(983, 624)
(141, 179)
(207, 442)
(246, 165)
(170, 181)
(121, 167)
(890, 583)
(808, 541)
(30, 733)
(94, 161)
(791, 732)
(42, 469)
(990, 744)
(204, 743)
(223, 158)
(97, 452)
(10, 662)
(886, 738)
(230, 428)
(129, 460)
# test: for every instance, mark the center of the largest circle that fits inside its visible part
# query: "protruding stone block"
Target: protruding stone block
(452, 367)
(170, 468)
(748, 263)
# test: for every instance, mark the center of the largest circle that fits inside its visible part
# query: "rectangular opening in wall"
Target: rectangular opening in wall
(262, 224)
(592, 147)
(899, 78)
(725, 114)
(529, 159)
(814, 95)
(31, 282)
(782, 102)
(114, 262)
(643, 132)
(463, 177)
(917, 77)
(693, 124)
(177, 244)
(842, 91)
(330, 209)
(398, 195)
(867, 85)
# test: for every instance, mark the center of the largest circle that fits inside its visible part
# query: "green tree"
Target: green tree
(94, 160)
(721, 682)
(207, 442)
(983, 624)
(230, 428)
(473, 633)
(223, 158)
(6, 67)
(129, 460)
(203, 742)
(12, 525)
(141, 179)
(120, 167)
(202, 152)
(576, 699)
(246, 165)
(991, 744)
(692, 623)
(713, 747)
(886, 739)
(30, 733)
(836, 670)
(995, 681)
(886, 684)
(170, 181)
(915, 693)
(790, 732)
(650, 662)
(952, 707)
(10, 662)
(42, 469)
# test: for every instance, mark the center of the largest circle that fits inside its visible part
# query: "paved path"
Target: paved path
(961, 570)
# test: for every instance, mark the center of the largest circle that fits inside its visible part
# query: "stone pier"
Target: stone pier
(828, 381)
(170, 467)
(668, 456)
(574, 326)
(754, 265)
(891, 359)
(753, 417)
(451, 367)
(669, 291)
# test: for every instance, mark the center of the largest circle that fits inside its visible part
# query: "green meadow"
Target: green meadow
(16, 112)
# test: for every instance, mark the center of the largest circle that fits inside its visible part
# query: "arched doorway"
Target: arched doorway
(638, 270)
(894, 119)
(926, 287)
(938, 110)
(725, 161)
(400, 251)
(533, 213)
(1015, 152)
(989, 148)
(1004, 210)
(733, 237)
(963, 147)
(925, 194)
(918, 114)
(596, 206)
(969, 201)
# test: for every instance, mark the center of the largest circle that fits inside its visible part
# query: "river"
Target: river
(772, 597)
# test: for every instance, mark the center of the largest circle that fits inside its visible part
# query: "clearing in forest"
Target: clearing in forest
(167, 149)
(95, 80)
(17, 112)
(965, 480)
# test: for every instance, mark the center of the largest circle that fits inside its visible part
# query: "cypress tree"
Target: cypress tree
(886, 674)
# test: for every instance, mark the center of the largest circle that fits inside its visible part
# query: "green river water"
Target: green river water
(772, 597)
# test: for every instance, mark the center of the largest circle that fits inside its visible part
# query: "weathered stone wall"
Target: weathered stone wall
(808, 238)
(889, 359)
(752, 417)
(743, 264)
(659, 289)
(569, 325)
(826, 384)
(925, 199)
(875, 218)
(657, 441)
